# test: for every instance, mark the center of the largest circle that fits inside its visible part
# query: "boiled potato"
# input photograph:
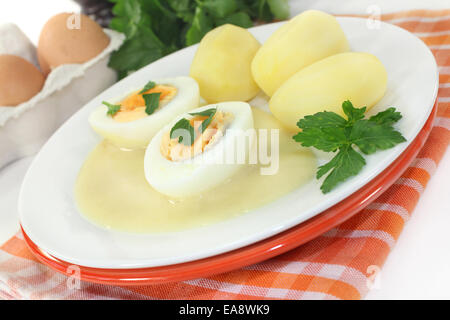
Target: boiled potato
(307, 38)
(221, 65)
(324, 85)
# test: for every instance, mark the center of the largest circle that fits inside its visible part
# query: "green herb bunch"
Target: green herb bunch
(329, 132)
(155, 28)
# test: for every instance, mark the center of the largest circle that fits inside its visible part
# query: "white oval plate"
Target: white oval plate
(48, 212)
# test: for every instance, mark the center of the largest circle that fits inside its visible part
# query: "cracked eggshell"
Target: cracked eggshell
(25, 128)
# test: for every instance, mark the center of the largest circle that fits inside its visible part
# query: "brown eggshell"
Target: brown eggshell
(69, 38)
(19, 80)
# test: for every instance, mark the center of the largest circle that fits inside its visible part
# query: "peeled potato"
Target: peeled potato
(324, 85)
(69, 38)
(221, 65)
(307, 38)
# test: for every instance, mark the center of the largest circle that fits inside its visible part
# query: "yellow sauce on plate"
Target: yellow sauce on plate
(111, 190)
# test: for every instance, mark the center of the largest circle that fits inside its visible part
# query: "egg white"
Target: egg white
(188, 177)
(138, 133)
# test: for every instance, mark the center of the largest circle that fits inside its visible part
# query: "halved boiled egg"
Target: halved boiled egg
(200, 149)
(134, 120)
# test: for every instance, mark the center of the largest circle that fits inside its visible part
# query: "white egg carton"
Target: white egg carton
(26, 127)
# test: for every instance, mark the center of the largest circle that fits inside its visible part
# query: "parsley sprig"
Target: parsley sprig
(183, 128)
(149, 85)
(151, 99)
(112, 108)
(151, 102)
(329, 132)
(209, 113)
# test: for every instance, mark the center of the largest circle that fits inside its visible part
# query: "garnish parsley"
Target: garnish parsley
(112, 108)
(329, 132)
(183, 128)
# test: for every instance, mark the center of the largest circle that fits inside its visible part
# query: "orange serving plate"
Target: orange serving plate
(258, 251)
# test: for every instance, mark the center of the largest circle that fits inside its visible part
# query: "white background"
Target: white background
(418, 266)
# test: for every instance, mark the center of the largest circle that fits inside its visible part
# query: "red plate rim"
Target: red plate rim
(256, 252)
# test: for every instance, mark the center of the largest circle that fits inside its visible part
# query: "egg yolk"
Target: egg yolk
(173, 150)
(133, 107)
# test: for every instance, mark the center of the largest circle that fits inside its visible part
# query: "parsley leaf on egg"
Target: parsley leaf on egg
(183, 127)
(151, 102)
(181, 130)
(206, 113)
(148, 86)
(112, 108)
(329, 132)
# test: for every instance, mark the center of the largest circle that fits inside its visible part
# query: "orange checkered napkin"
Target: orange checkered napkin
(336, 265)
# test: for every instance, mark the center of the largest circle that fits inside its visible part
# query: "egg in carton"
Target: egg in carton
(24, 128)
